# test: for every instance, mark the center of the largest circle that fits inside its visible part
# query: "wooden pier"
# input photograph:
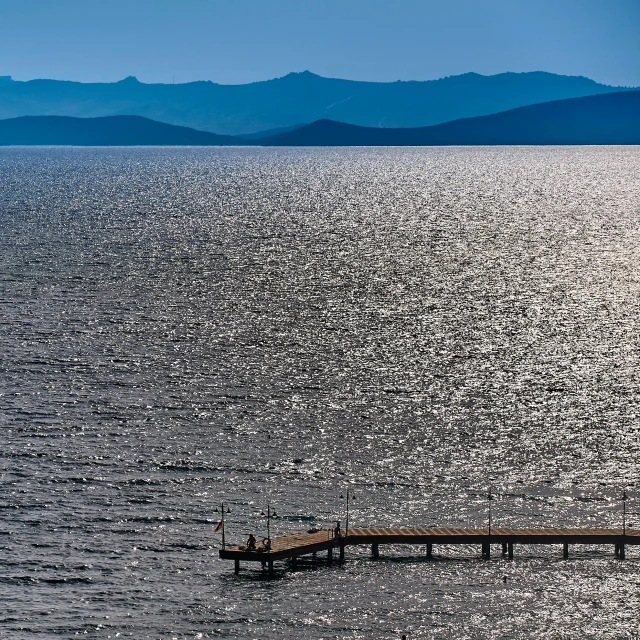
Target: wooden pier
(300, 544)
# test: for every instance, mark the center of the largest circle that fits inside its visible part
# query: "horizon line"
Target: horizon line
(133, 78)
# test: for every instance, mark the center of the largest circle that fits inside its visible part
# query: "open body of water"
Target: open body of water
(182, 326)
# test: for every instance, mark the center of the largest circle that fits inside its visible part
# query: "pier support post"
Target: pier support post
(486, 550)
(504, 548)
(429, 550)
(329, 555)
(236, 567)
(620, 551)
(294, 563)
(271, 568)
(375, 551)
(565, 550)
(342, 552)
(510, 550)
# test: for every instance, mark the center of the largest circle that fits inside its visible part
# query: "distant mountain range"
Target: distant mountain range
(602, 119)
(294, 98)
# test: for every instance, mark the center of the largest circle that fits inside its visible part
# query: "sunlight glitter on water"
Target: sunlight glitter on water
(181, 326)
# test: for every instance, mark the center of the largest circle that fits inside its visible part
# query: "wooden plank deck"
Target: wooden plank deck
(295, 544)
(299, 544)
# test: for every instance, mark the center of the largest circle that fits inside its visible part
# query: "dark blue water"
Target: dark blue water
(180, 327)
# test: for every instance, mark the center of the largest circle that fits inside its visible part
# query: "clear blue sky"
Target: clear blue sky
(236, 41)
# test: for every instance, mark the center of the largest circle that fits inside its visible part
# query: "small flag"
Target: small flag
(218, 527)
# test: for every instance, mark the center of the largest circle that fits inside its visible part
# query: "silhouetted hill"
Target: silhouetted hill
(297, 97)
(109, 131)
(603, 119)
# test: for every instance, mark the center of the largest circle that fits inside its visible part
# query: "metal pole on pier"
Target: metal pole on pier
(346, 525)
(486, 546)
(221, 511)
(270, 514)
(621, 548)
(346, 530)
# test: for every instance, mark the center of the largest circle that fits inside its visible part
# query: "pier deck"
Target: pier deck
(299, 544)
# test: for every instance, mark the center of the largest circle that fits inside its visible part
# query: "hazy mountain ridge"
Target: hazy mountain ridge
(601, 119)
(105, 131)
(294, 98)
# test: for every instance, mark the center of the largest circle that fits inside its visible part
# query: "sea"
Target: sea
(186, 328)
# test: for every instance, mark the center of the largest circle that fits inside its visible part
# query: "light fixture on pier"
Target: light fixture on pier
(221, 510)
(349, 497)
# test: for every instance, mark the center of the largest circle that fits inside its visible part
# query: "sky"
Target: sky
(238, 41)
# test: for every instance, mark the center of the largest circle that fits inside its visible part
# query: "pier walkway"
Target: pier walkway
(299, 544)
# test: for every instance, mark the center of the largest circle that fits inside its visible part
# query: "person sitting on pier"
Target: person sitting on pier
(251, 543)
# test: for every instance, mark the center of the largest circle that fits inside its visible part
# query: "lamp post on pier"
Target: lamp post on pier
(490, 513)
(221, 524)
(270, 514)
(486, 546)
(346, 524)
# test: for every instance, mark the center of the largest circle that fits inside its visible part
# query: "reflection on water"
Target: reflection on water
(181, 326)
